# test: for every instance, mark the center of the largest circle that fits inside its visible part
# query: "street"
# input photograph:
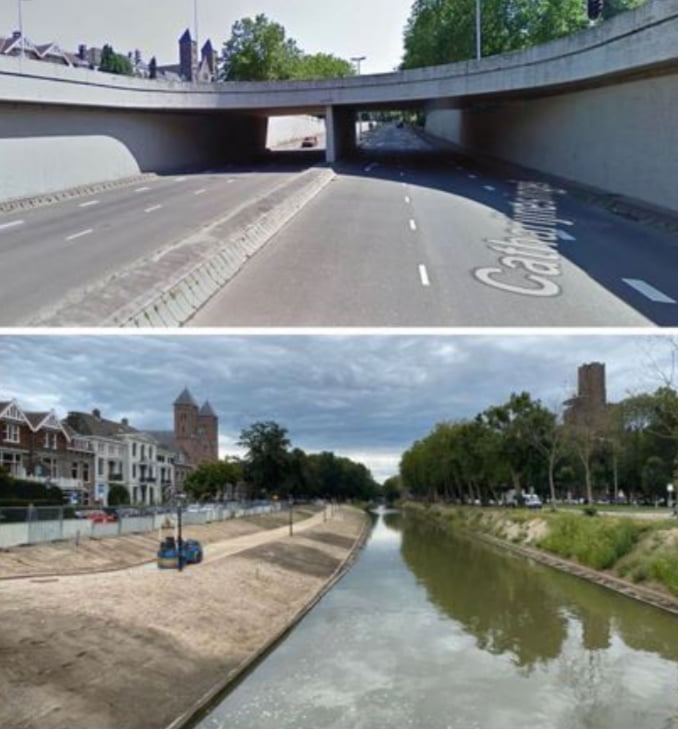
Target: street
(397, 241)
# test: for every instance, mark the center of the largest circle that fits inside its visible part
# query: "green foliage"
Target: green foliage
(322, 65)
(15, 492)
(594, 542)
(663, 567)
(443, 31)
(209, 480)
(112, 62)
(118, 495)
(392, 489)
(259, 50)
(267, 459)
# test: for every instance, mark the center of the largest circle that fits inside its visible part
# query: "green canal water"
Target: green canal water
(439, 631)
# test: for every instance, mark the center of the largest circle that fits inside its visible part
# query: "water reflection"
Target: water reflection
(437, 631)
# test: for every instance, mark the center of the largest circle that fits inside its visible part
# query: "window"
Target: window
(11, 433)
(101, 448)
(100, 467)
(143, 452)
(85, 471)
(134, 450)
(74, 470)
(12, 461)
(134, 470)
(51, 440)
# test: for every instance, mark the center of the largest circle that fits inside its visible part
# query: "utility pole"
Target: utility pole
(357, 61)
(21, 31)
(479, 31)
(195, 18)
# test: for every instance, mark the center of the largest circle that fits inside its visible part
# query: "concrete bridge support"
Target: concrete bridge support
(620, 138)
(341, 133)
(48, 148)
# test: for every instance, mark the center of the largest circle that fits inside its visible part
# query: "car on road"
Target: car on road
(310, 141)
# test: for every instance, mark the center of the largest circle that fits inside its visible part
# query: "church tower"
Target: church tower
(188, 57)
(208, 428)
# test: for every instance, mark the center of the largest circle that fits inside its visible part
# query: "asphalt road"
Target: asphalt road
(51, 252)
(405, 238)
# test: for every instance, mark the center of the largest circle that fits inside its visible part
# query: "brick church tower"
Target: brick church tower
(196, 430)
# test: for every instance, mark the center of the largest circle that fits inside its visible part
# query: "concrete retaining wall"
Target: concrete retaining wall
(45, 151)
(622, 139)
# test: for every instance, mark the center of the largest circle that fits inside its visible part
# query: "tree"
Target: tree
(260, 50)
(118, 495)
(112, 62)
(392, 489)
(443, 31)
(210, 480)
(267, 458)
(322, 65)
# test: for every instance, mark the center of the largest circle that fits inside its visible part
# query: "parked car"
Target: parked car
(311, 141)
(101, 517)
(168, 554)
(532, 501)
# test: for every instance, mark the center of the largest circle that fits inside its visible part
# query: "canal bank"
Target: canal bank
(136, 649)
(620, 555)
(436, 630)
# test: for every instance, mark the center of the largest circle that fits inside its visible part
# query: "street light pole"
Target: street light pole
(21, 31)
(291, 505)
(479, 32)
(357, 60)
(195, 18)
(180, 541)
(669, 491)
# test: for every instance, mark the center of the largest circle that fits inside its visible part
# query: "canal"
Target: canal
(440, 631)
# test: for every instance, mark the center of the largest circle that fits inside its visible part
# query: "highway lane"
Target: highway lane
(401, 240)
(49, 252)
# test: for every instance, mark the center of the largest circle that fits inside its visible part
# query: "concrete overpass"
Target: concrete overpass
(599, 107)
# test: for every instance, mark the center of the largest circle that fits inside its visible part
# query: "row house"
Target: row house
(36, 446)
(129, 457)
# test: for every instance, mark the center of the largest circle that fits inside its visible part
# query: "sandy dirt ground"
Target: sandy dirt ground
(133, 649)
(120, 552)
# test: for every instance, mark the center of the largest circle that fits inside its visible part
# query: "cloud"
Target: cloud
(367, 397)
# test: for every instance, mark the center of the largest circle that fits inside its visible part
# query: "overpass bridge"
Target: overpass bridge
(599, 107)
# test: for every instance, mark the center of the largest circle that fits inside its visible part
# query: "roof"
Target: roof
(88, 424)
(206, 410)
(165, 438)
(35, 418)
(186, 398)
(208, 48)
(186, 37)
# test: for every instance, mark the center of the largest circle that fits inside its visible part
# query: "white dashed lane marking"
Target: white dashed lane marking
(81, 234)
(565, 236)
(13, 224)
(489, 188)
(407, 199)
(142, 189)
(423, 275)
(180, 179)
(89, 204)
(649, 291)
(413, 225)
(200, 192)
(153, 209)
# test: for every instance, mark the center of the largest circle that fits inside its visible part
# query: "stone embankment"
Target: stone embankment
(650, 555)
(140, 648)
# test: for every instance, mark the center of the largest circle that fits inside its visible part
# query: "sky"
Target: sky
(347, 28)
(365, 397)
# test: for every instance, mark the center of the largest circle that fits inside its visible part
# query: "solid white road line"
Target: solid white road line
(473, 177)
(200, 192)
(81, 234)
(489, 188)
(89, 204)
(413, 225)
(153, 209)
(142, 189)
(423, 275)
(230, 182)
(180, 179)
(564, 236)
(649, 291)
(13, 224)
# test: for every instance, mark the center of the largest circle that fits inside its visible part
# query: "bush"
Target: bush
(663, 567)
(596, 543)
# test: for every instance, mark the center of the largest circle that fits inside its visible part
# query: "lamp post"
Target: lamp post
(21, 31)
(669, 491)
(357, 61)
(180, 542)
(291, 510)
(479, 31)
(195, 20)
